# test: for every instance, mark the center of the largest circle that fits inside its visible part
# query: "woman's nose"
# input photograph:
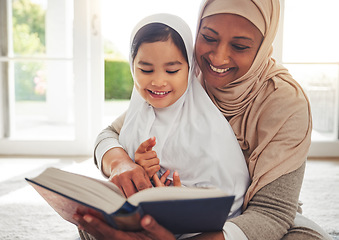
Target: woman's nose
(221, 55)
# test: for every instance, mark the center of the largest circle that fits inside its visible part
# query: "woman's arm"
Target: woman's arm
(272, 210)
(115, 163)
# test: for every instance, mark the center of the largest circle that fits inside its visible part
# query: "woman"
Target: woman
(267, 110)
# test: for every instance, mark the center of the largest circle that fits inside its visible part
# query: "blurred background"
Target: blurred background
(65, 73)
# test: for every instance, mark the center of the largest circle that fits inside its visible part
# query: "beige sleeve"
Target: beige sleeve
(108, 139)
(272, 210)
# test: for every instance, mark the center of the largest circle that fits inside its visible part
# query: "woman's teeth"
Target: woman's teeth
(219, 70)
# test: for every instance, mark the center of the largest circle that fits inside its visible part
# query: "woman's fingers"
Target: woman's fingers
(154, 230)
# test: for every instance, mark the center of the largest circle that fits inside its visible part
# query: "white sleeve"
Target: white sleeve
(233, 232)
(103, 147)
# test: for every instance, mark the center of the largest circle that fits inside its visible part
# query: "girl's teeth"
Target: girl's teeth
(159, 93)
(218, 70)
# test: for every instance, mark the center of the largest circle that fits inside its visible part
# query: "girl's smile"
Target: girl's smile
(159, 94)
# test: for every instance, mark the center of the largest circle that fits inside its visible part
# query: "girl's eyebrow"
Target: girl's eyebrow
(173, 63)
(145, 63)
(166, 64)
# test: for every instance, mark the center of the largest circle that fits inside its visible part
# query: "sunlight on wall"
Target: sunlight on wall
(311, 31)
(120, 17)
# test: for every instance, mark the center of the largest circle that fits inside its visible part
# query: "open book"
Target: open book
(179, 209)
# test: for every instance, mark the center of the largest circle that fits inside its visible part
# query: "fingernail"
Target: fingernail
(147, 220)
(76, 218)
(88, 219)
(176, 174)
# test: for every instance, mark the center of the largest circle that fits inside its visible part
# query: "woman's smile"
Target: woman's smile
(226, 54)
(219, 70)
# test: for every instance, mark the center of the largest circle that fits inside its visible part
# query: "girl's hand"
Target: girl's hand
(163, 181)
(147, 158)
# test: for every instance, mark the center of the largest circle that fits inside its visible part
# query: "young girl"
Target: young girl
(168, 103)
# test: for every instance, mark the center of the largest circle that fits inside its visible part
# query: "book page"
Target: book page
(94, 192)
(174, 193)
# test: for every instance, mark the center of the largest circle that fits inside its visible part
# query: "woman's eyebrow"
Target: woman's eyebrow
(244, 38)
(212, 30)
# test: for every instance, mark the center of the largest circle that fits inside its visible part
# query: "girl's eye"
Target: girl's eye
(172, 72)
(240, 47)
(208, 38)
(145, 71)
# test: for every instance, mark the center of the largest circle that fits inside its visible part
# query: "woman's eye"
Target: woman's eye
(172, 72)
(145, 71)
(240, 47)
(208, 38)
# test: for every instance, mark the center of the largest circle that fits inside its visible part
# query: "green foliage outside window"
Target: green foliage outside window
(118, 80)
(29, 40)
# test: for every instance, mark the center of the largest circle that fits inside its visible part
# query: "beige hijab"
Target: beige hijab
(267, 108)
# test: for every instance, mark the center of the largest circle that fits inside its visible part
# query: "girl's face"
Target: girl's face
(226, 47)
(160, 73)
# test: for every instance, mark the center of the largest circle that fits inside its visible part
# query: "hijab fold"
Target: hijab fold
(267, 109)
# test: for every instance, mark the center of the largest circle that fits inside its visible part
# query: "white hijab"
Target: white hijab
(192, 135)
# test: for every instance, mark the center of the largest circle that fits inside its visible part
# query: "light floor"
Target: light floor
(25, 215)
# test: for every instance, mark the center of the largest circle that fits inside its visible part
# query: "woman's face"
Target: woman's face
(160, 73)
(226, 47)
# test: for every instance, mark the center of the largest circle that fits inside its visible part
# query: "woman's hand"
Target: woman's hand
(101, 231)
(123, 172)
(147, 158)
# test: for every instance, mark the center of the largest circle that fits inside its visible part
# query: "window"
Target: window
(48, 97)
(311, 53)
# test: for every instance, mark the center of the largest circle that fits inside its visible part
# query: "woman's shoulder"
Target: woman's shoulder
(286, 92)
(282, 100)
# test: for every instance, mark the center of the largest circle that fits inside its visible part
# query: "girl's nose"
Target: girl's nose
(159, 81)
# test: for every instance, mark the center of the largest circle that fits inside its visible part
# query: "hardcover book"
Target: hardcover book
(179, 209)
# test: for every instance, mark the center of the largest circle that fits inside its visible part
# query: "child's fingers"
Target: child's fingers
(168, 182)
(151, 171)
(150, 157)
(164, 176)
(146, 146)
(176, 179)
(157, 181)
